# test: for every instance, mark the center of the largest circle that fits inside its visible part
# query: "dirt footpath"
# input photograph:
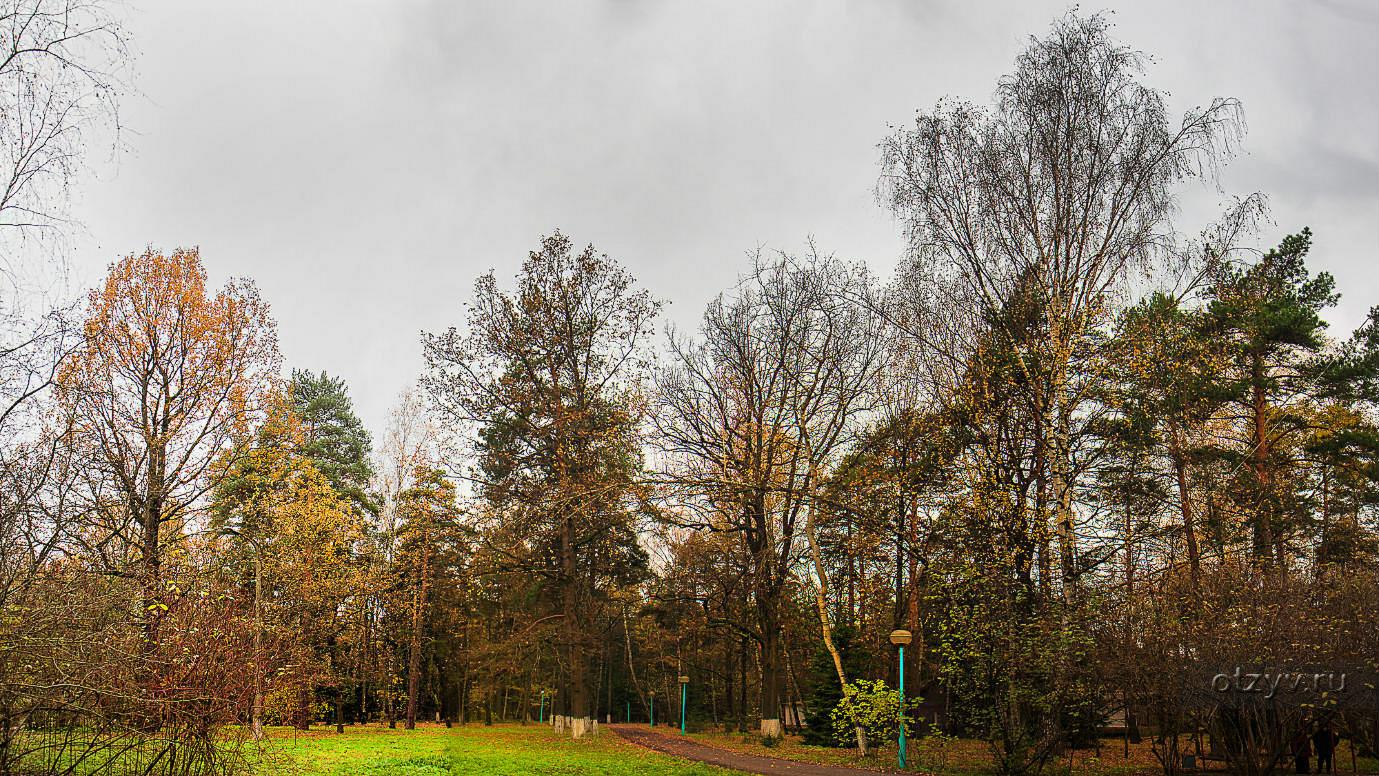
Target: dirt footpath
(671, 743)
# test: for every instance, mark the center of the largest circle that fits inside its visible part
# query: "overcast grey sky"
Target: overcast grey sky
(363, 162)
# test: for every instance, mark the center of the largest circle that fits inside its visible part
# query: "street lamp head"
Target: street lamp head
(900, 637)
(652, 693)
(684, 679)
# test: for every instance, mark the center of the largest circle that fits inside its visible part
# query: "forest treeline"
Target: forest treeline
(1087, 460)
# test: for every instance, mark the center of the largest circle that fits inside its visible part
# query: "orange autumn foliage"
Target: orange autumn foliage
(167, 375)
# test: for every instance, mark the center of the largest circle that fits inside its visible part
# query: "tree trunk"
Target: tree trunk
(900, 553)
(463, 695)
(577, 700)
(914, 655)
(256, 714)
(488, 703)
(303, 707)
(366, 662)
(150, 518)
(447, 714)
(1194, 558)
(1266, 535)
(525, 704)
(1063, 494)
(414, 651)
(821, 600)
(1042, 529)
(770, 670)
(742, 685)
(462, 698)
(729, 699)
(388, 701)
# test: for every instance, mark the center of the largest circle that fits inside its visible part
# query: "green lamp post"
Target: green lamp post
(652, 705)
(684, 685)
(900, 638)
(541, 715)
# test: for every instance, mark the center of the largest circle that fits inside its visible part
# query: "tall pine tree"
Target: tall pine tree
(1269, 315)
(333, 437)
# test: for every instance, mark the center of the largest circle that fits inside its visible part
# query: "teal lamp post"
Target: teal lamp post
(541, 715)
(900, 638)
(652, 704)
(684, 686)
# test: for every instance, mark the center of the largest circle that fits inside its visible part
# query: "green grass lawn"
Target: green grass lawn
(434, 750)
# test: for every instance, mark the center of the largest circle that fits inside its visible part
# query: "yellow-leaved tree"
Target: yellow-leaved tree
(167, 374)
(294, 541)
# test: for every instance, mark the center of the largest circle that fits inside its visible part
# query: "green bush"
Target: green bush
(874, 707)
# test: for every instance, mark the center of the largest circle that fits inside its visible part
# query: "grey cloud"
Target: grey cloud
(363, 161)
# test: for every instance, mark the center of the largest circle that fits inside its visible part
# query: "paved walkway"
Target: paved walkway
(693, 750)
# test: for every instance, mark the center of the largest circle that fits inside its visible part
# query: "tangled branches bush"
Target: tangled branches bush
(83, 690)
(1238, 617)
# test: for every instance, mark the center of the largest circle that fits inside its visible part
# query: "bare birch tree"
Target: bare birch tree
(1060, 192)
(63, 67)
(754, 413)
